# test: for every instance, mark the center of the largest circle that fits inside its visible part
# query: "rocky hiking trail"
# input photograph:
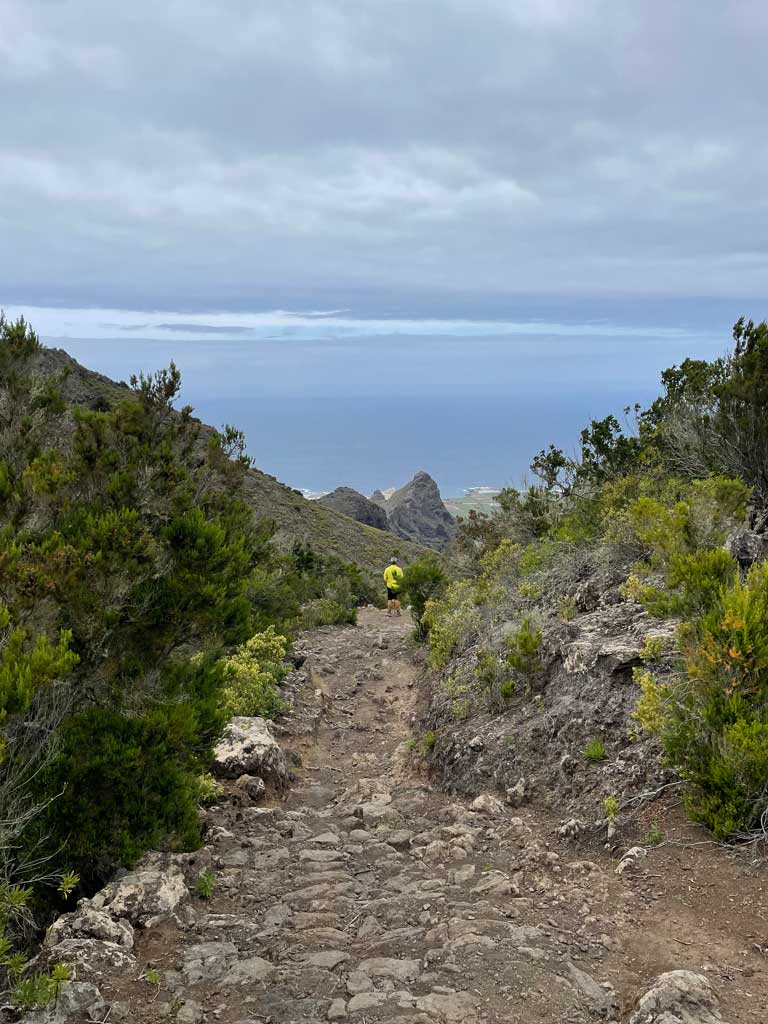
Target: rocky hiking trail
(363, 892)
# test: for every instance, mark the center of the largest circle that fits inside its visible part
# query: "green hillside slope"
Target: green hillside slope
(298, 519)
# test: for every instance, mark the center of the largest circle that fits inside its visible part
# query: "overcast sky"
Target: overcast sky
(189, 152)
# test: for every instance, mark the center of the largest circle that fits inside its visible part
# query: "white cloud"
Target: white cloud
(61, 324)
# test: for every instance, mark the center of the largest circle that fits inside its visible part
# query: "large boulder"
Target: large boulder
(88, 923)
(249, 748)
(355, 505)
(89, 959)
(77, 1001)
(416, 512)
(678, 997)
(141, 895)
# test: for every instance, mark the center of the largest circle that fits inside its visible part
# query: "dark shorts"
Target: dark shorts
(392, 595)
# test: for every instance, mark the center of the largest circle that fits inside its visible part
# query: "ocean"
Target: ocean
(327, 398)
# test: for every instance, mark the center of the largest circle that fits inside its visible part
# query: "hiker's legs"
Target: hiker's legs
(390, 604)
(397, 605)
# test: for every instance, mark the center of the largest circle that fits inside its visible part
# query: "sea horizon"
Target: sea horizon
(332, 395)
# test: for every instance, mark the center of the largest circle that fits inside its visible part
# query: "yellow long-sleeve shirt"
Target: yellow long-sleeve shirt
(392, 576)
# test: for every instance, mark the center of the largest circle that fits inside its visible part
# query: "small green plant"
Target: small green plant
(487, 670)
(40, 990)
(507, 689)
(654, 836)
(68, 882)
(205, 884)
(428, 741)
(633, 588)
(461, 696)
(611, 809)
(567, 609)
(650, 710)
(653, 648)
(461, 709)
(208, 789)
(524, 652)
(153, 977)
(595, 750)
(529, 591)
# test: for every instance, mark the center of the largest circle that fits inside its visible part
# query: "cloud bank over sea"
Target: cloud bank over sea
(56, 324)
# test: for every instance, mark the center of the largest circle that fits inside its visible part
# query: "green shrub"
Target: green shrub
(595, 750)
(40, 990)
(692, 584)
(663, 531)
(209, 790)
(252, 676)
(324, 611)
(654, 836)
(140, 777)
(650, 710)
(524, 653)
(611, 809)
(450, 621)
(423, 580)
(653, 648)
(428, 741)
(715, 728)
(492, 680)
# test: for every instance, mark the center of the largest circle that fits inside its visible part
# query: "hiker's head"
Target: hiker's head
(393, 561)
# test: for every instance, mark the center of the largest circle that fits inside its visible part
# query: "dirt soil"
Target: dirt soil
(370, 895)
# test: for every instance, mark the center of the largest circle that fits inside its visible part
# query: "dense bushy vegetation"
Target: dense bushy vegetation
(138, 605)
(649, 506)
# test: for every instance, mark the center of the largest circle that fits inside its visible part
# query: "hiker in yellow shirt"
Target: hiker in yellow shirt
(393, 576)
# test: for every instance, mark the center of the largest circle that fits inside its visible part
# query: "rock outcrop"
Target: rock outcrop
(355, 505)
(416, 513)
(249, 748)
(585, 689)
(678, 997)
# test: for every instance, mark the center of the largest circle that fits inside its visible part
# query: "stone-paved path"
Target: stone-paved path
(369, 895)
